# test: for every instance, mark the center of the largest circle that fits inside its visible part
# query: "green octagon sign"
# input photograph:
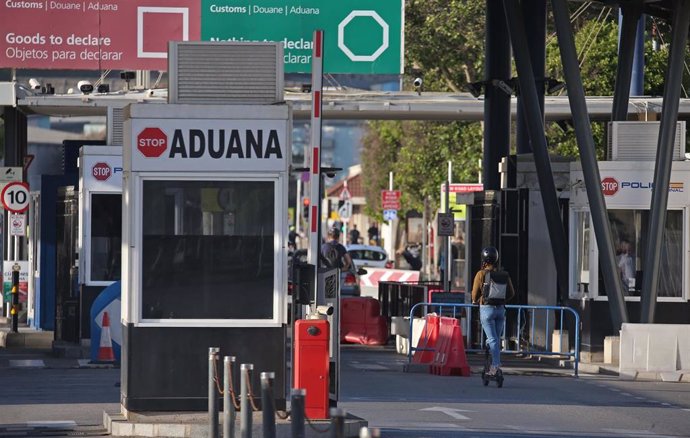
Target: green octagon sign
(360, 36)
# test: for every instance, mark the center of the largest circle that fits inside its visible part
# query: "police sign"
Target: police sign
(208, 144)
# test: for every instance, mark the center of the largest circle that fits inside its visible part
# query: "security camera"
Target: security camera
(325, 310)
(85, 87)
(34, 84)
(418, 83)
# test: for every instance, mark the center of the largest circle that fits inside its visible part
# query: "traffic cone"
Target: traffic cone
(105, 349)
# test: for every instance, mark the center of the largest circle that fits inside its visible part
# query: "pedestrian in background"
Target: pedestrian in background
(354, 235)
(373, 233)
(491, 289)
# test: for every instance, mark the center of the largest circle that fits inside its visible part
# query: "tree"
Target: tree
(445, 46)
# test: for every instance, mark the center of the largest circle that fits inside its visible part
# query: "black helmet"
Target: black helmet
(490, 255)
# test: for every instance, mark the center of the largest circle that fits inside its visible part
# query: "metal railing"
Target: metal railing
(524, 314)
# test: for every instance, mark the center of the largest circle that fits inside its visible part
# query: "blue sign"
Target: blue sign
(390, 215)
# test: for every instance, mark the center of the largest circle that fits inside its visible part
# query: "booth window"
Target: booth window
(106, 236)
(629, 230)
(208, 249)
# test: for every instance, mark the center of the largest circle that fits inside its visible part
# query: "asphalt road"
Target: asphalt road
(536, 400)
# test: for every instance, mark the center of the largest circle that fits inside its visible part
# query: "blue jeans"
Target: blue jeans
(493, 318)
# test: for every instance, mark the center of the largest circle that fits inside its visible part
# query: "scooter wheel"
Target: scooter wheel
(499, 381)
(485, 380)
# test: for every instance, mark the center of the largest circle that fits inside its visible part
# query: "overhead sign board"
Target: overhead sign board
(390, 199)
(94, 35)
(360, 36)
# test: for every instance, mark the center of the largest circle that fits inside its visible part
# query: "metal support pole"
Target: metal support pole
(212, 394)
(535, 125)
(626, 50)
(535, 12)
(245, 408)
(297, 412)
(590, 168)
(496, 102)
(337, 423)
(448, 280)
(664, 157)
(228, 402)
(269, 415)
(14, 311)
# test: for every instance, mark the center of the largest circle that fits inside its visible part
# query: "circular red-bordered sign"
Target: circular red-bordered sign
(15, 197)
(609, 186)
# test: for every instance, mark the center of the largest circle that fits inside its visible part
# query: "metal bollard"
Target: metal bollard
(337, 423)
(228, 403)
(269, 415)
(297, 412)
(245, 408)
(212, 395)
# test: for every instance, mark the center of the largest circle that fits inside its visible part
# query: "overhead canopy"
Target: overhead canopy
(355, 105)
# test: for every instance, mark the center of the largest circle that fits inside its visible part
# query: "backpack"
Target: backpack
(332, 256)
(495, 287)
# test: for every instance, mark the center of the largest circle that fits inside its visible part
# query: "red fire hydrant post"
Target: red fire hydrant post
(312, 364)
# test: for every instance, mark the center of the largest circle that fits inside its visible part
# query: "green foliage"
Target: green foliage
(418, 153)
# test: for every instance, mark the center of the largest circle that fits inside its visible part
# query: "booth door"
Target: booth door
(66, 275)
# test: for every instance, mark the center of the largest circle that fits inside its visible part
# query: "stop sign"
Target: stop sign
(609, 186)
(101, 171)
(152, 142)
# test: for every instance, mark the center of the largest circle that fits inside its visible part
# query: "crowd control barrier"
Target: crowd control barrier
(525, 317)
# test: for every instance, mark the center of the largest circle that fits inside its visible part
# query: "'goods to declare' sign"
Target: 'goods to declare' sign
(96, 34)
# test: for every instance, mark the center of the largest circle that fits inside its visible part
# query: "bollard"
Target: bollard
(269, 416)
(212, 396)
(228, 402)
(337, 423)
(245, 408)
(297, 412)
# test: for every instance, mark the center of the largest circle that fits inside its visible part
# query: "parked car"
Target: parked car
(368, 256)
(349, 280)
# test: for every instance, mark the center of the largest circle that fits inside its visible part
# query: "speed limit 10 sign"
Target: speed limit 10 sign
(15, 197)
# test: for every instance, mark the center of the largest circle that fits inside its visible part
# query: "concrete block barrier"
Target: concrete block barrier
(654, 351)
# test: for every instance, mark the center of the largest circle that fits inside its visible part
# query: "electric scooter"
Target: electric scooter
(486, 377)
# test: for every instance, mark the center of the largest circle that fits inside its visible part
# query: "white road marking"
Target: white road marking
(615, 389)
(640, 398)
(452, 412)
(27, 363)
(635, 433)
(627, 394)
(52, 424)
(368, 366)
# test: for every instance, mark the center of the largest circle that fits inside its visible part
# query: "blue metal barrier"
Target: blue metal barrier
(464, 310)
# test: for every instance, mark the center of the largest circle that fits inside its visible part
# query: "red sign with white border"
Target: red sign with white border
(609, 186)
(94, 35)
(390, 199)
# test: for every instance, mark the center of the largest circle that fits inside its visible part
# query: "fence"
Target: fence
(525, 328)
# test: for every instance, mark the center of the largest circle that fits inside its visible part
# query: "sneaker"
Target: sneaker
(492, 370)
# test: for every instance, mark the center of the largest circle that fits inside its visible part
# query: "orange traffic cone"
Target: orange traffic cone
(105, 349)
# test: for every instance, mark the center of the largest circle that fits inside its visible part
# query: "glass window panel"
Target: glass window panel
(106, 236)
(629, 230)
(208, 250)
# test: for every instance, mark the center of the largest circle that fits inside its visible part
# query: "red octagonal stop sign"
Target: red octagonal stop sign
(101, 171)
(609, 186)
(152, 142)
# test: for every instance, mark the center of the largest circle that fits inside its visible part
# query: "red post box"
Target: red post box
(311, 365)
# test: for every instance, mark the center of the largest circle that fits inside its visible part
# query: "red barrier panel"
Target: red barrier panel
(427, 341)
(450, 358)
(361, 321)
(312, 365)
